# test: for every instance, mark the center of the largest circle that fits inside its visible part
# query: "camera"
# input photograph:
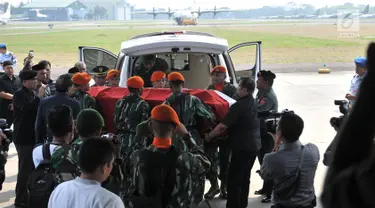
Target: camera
(112, 137)
(271, 118)
(343, 107)
(8, 132)
(4, 148)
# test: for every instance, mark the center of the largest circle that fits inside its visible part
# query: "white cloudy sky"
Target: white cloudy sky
(235, 4)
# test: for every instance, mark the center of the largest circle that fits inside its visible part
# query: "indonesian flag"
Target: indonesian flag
(107, 97)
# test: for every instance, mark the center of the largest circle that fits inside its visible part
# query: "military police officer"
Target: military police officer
(81, 86)
(267, 101)
(361, 71)
(218, 76)
(100, 73)
(6, 55)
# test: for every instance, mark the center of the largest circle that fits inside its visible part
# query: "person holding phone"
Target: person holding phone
(29, 59)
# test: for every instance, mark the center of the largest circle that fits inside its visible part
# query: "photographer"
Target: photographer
(267, 101)
(335, 123)
(292, 167)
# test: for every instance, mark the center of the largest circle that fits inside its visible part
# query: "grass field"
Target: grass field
(282, 43)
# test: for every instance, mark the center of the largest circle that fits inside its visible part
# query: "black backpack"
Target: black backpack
(159, 178)
(44, 179)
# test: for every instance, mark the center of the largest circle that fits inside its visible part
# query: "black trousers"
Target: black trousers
(267, 146)
(239, 178)
(25, 167)
(224, 158)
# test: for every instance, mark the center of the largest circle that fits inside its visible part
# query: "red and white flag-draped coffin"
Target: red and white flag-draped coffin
(106, 98)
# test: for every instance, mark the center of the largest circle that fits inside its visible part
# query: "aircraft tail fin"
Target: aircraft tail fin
(7, 10)
(366, 10)
(317, 12)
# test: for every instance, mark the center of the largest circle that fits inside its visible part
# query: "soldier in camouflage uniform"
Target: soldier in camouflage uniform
(113, 78)
(267, 101)
(218, 76)
(194, 114)
(144, 135)
(129, 112)
(61, 125)
(90, 124)
(81, 86)
(163, 123)
(158, 79)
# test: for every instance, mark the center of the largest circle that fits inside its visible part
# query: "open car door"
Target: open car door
(93, 57)
(246, 59)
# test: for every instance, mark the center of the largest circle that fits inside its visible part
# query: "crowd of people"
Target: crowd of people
(158, 156)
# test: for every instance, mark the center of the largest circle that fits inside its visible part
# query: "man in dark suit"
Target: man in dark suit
(25, 108)
(64, 89)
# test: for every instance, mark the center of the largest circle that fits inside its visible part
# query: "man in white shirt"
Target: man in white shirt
(86, 191)
(60, 123)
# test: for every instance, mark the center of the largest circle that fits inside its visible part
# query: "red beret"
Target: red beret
(81, 78)
(219, 69)
(175, 76)
(112, 73)
(157, 75)
(165, 113)
(135, 82)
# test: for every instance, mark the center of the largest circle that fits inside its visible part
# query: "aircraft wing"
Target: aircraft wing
(367, 16)
(151, 12)
(217, 11)
(19, 19)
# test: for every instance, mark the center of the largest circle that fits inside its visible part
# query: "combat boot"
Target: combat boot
(214, 189)
(223, 190)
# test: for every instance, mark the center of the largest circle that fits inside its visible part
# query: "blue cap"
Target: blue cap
(361, 61)
(3, 45)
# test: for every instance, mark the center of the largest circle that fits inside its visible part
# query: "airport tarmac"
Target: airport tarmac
(171, 23)
(310, 95)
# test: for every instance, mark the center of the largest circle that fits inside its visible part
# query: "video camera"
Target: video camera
(8, 132)
(271, 118)
(343, 107)
(4, 148)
